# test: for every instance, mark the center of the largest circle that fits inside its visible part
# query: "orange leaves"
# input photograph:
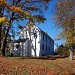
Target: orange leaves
(39, 18)
(4, 20)
(4, 3)
(19, 11)
(70, 36)
(30, 24)
(65, 19)
(16, 9)
(27, 13)
(46, 1)
(21, 66)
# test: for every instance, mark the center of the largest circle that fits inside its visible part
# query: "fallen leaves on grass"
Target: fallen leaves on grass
(14, 66)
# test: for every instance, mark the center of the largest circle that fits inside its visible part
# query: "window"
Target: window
(17, 46)
(50, 41)
(49, 48)
(26, 34)
(35, 35)
(46, 39)
(43, 37)
(46, 48)
(43, 46)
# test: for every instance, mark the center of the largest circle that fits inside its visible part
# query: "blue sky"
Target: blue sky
(49, 25)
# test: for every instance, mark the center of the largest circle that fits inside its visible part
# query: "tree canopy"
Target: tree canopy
(12, 12)
(65, 19)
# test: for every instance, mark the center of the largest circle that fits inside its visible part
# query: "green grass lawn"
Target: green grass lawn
(33, 66)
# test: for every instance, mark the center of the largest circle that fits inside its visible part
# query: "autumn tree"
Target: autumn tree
(65, 19)
(16, 11)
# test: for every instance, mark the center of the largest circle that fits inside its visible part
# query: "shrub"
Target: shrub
(63, 50)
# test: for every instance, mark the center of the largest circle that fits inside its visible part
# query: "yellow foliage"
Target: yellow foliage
(2, 35)
(3, 2)
(27, 13)
(29, 17)
(70, 37)
(31, 25)
(4, 20)
(16, 9)
(19, 10)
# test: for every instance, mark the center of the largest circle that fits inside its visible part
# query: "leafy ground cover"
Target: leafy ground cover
(29, 66)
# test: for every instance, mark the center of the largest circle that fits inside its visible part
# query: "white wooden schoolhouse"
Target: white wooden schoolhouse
(33, 42)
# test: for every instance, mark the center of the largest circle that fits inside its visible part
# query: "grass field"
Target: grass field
(29, 66)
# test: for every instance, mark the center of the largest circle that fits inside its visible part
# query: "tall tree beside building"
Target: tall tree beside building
(16, 11)
(65, 19)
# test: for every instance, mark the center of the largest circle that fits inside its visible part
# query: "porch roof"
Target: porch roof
(20, 40)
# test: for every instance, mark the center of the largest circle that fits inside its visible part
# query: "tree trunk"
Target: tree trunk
(0, 34)
(1, 15)
(35, 46)
(22, 49)
(6, 35)
(4, 45)
(71, 54)
(5, 42)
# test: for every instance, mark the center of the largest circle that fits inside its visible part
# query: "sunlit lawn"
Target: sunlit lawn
(26, 66)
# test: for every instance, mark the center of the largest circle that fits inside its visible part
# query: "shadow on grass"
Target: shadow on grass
(73, 74)
(73, 58)
(43, 57)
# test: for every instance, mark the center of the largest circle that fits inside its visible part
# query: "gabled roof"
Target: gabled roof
(46, 34)
(38, 29)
